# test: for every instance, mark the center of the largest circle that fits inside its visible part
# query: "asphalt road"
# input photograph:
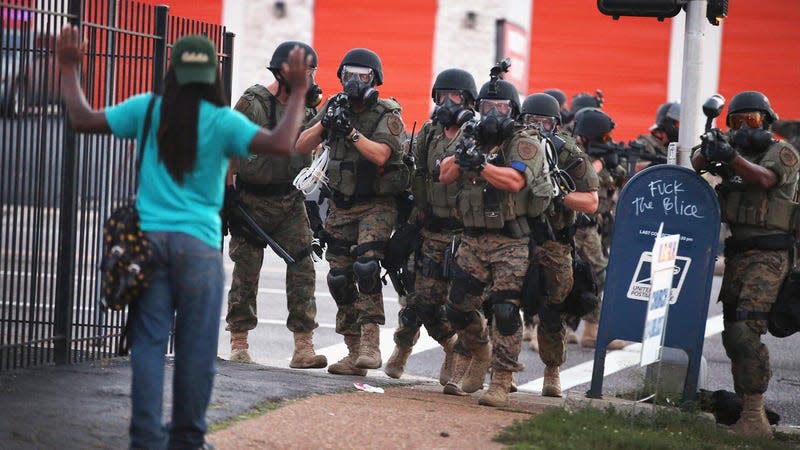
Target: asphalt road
(271, 344)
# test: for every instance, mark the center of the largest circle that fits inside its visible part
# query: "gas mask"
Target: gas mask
(313, 96)
(357, 83)
(752, 140)
(545, 125)
(496, 123)
(449, 113)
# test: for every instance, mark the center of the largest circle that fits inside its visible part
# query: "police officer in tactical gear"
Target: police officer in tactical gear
(503, 185)
(541, 112)
(264, 187)
(664, 131)
(593, 126)
(561, 97)
(454, 94)
(756, 196)
(579, 101)
(365, 135)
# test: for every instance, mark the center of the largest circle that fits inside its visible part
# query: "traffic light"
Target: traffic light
(641, 8)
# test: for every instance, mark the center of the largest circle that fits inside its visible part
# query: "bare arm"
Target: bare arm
(585, 202)
(82, 116)
(376, 152)
(310, 138)
(448, 170)
(504, 178)
(281, 140)
(753, 173)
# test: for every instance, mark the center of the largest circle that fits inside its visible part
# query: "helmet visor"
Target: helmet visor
(753, 119)
(363, 74)
(542, 123)
(503, 107)
(455, 96)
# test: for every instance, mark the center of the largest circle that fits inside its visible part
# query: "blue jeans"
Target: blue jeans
(187, 286)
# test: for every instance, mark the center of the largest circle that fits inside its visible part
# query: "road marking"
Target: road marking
(615, 362)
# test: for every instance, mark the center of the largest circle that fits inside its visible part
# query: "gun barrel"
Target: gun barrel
(263, 235)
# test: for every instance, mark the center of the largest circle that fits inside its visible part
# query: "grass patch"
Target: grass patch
(610, 429)
(256, 411)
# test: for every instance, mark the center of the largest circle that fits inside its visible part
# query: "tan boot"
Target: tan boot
(239, 347)
(497, 394)
(513, 388)
(753, 421)
(369, 357)
(446, 372)
(534, 343)
(551, 387)
(304, 356)
(589, 338)
(460, 365)
(347, 365)
(616, 344)
(476, 372)
(397, 362)
(572, 337)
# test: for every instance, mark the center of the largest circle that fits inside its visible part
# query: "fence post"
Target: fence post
(67, 224)
(160, 48)
(227, 65)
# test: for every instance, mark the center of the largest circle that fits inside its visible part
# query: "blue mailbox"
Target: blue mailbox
(687, 205)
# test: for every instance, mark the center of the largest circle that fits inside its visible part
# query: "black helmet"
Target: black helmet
(592, 124)
(541, 104)
(558, 94)
(667, 112)
(362, 57)
(281, 54)
(455, 79)
(500, 90)
(751, 101)
(583, 100)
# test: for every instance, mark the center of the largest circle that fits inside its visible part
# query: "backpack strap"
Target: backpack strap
(145, 131)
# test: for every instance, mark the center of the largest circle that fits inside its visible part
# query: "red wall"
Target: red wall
(402, 35)
(577, 49)
(760, 52)
(205, 10)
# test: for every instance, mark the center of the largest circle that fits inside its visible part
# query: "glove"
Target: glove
(610, 160)
(719, 151)
(343, 122)
(472, 160)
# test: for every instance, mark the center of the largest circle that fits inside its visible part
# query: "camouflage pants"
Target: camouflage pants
(284, 218)
(751, 282)
(590, 249)
(430, 293)
(498, 263)
(365, 225)
(556, 260)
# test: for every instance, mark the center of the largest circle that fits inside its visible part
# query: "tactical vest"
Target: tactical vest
(561, 217)
(436, 199)
(356, 178)
(743, 204)
(481, 205)
(271, 169)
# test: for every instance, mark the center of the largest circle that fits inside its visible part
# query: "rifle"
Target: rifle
(712, 108)
(260, 233)
(633, 152)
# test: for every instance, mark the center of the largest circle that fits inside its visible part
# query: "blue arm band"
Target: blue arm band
(519, 166)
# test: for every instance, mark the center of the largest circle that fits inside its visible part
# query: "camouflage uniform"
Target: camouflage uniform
(555, 256)
(363, 211)
(652, 145)
(758, 219)
(437, 202)
(268, 195)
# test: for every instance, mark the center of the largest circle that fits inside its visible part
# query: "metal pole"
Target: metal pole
(67, 224)
(160, 48)
(691, 123)
(227, 65)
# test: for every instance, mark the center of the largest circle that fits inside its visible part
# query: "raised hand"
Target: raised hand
(69, 49)
(295, 70)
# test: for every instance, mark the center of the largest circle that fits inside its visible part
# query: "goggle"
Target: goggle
(363, 74)
(542, 123)
(455, 96)
(503, 107)
(753, 119)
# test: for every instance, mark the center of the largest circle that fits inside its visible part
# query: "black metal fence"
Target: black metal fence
(56, 185)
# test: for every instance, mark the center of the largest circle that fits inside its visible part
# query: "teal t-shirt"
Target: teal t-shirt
(193, 207)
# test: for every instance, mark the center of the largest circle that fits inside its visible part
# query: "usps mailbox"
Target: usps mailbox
(688, 206)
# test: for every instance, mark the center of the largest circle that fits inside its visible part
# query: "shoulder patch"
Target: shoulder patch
(243, 104)
(527, 149)
(788, 157)
(395, 124)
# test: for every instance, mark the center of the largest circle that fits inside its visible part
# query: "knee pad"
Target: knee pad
(409, 316)
(462, 284)
(429, 313)
(368, 275)
(507, 318)
(550, 318)
(459, 319)
(340, 284)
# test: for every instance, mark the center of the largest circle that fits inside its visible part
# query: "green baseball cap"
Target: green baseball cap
(194, 59)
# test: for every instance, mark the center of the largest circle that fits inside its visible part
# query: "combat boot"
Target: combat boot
(551, 387)
(446, 372)
(304, 356)
(753, 421)
(527, 332)
(397, 362)
(476, 372)
(347, 365)
(460, 365)
(534, 343)
(572, 337)
(370, 353)
(497, 394)
(589, 338)
(239, 347)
